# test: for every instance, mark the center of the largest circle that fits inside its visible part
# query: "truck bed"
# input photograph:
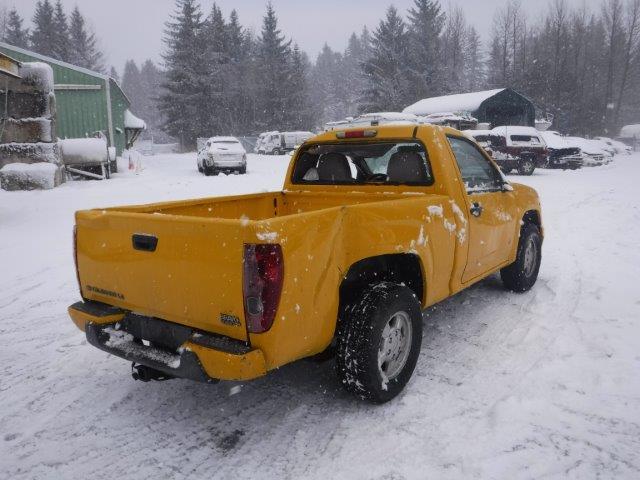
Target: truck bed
(193, 275)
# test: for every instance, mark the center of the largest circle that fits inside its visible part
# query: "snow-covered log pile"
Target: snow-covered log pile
(27, 133)
(30, 176)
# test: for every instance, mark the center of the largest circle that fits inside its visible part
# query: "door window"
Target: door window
(478, 173)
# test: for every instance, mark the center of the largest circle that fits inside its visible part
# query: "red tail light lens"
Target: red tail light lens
(263, 270)
(357, 134)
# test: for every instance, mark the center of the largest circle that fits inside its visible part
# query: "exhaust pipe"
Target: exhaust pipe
(146, 374)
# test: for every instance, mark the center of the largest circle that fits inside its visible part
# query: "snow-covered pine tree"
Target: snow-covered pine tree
(474, 73)
(273, 66)
(151, 79)
(329, 86)
(132, 86)
(4, 21)
(218, 104)
(183, 100)
(299, 107)
(387, 87)
(241, 89)
(454, 43)
(352, 77)
(426, 23)
(61, 42)
(83, 49)
(113, 73)
(15, 33)
(43, 35)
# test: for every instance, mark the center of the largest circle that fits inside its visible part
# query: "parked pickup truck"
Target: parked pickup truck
(372, 226)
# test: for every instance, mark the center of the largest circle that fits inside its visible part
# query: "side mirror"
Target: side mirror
(506, 187)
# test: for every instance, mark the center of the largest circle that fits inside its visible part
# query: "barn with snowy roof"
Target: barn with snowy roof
(88, 103)
(502, 106)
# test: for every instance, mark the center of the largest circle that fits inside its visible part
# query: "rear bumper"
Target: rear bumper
(173, 349)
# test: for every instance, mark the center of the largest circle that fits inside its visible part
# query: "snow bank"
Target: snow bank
(82, 151)
(30, 176)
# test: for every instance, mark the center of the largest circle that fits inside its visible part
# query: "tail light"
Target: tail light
(263, 270)
(356, 134)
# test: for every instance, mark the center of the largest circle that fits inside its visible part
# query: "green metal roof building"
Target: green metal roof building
(87, 102)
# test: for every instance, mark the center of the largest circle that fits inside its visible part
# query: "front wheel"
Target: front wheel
(522, 274)
(378, 342)
(526, 166)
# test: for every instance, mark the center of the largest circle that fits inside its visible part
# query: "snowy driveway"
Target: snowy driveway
(540, 385)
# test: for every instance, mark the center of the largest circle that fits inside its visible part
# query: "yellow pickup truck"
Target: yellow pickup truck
(372, 226)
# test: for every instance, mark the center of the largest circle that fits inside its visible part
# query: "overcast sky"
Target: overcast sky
(133, 28)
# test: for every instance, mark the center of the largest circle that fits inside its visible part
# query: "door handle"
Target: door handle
(476, 209)
(145, 243)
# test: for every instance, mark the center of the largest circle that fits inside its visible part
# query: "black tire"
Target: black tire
(526, 166)
(276, 151)
(208, 171)
(107, 170)
(522, 274)
(360, 337)
(242, 170)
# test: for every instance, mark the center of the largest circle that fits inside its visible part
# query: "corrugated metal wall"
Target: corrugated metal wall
(81, 101)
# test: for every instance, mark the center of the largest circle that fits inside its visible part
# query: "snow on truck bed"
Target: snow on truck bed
(543, 384)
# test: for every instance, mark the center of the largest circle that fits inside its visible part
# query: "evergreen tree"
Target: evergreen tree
(113, 73)
(43, 35)
(15, 34)
(426, 25)
(301, 114)
(273, 64)
(354, 83)
(62, 42)
(133, 87)
(329, 86)
(215, 37)
(83, 46)
(387, 88)
(184, 98)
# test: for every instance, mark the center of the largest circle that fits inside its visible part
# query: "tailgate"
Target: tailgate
(191, 276)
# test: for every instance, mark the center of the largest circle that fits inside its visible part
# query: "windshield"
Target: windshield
(225, 142)
(394, 163)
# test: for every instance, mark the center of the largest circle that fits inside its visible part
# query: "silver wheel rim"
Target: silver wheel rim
(395, 345)
(530, 255)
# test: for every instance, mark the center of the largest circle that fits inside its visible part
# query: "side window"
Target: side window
(478, 174)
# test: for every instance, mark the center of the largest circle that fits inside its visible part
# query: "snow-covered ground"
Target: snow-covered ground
(544, 384)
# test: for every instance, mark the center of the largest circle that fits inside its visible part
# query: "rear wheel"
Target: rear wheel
(526, 166)
(276, 151)
(379, 339)
(522, 274)
(242, 170)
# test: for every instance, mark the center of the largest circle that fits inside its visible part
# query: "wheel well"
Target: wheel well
(403, 268)
(532, 216)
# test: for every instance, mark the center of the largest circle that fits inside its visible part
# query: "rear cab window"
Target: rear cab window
(524, 140)
(389, 162)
